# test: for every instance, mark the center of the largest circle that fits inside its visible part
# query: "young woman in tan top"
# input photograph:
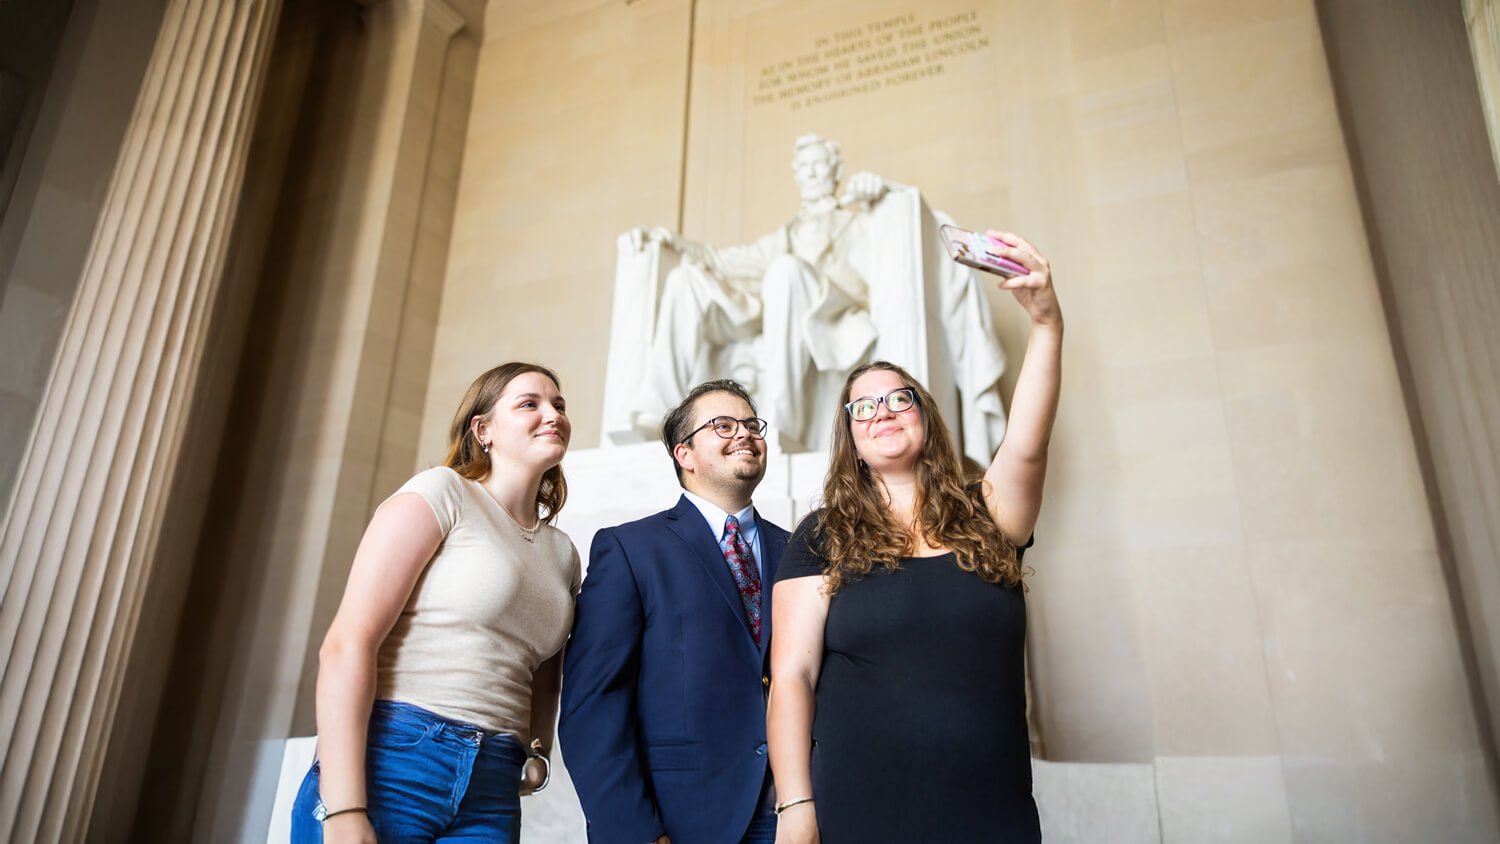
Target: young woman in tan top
(442, 665)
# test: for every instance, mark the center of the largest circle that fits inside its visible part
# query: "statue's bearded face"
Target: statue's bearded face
(816, 172)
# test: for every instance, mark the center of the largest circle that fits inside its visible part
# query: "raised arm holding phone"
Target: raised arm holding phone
(897, 705)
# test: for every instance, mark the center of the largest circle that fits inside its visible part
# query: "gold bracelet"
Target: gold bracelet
(782, 807)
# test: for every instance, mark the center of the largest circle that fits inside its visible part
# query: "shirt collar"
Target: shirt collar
(715, 516)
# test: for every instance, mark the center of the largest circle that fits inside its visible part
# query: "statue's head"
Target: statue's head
(817, 166)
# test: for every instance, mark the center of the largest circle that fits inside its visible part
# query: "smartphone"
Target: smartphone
(972, 249)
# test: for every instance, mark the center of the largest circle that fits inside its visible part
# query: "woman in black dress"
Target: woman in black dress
(898, 705)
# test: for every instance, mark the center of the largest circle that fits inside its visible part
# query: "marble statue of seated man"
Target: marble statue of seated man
(790, 314)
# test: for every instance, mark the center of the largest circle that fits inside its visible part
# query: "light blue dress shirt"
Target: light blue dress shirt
(749, 529)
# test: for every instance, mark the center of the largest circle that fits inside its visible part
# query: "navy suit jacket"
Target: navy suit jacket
(663, 722)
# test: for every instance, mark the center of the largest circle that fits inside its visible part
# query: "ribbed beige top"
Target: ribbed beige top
(488, 610)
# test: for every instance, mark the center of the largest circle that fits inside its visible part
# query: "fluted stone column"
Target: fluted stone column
(320, 431)
(76, 545)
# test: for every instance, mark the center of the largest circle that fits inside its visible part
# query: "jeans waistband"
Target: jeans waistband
(448, 730)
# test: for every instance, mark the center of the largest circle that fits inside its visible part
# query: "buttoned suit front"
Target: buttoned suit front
(663, 720)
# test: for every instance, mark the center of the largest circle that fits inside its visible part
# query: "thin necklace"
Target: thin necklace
(527, 533)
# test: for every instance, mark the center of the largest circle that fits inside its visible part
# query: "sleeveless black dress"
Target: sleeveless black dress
(920, 732)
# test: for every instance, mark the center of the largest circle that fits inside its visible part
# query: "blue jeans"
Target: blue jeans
(428, 779)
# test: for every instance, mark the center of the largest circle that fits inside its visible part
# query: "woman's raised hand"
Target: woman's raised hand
(1034, 290)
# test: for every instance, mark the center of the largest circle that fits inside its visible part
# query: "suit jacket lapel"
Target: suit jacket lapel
(772, 543)
(685, 521)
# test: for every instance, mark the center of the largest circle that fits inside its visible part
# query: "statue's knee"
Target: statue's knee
(682, 290)
(785, 273)
(678, 278)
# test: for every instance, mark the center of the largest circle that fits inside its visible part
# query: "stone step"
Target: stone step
(1079, 802)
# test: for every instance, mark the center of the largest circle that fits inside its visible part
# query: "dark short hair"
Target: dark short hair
(679, 420)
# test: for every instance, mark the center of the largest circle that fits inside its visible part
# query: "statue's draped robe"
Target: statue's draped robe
(793, 312)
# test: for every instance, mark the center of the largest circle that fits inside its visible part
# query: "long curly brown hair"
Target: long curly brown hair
(856, 530)
(469, 460)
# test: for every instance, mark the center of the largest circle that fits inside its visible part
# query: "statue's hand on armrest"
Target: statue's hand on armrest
(863, 186)
(640, 236)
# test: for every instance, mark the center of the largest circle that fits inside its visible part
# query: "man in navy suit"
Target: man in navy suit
(663, 721)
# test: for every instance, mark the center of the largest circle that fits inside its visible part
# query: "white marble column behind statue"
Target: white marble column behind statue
(77, 542)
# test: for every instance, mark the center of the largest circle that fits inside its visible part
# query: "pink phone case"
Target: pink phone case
(972, 249)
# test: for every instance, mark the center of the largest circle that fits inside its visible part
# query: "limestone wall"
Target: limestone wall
(1237, 579)
(1239, 604)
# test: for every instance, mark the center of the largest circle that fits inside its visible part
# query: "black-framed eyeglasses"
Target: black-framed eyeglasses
(898, 400)
(727, 426)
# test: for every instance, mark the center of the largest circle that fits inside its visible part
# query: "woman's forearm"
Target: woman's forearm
(789, 718)
(1033, 406)
(546, 689)
(345, 693)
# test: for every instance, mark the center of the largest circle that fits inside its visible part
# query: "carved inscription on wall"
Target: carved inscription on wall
(868, 57)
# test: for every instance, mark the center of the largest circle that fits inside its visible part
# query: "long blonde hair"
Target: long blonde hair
(467, 457)
(856, 531)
